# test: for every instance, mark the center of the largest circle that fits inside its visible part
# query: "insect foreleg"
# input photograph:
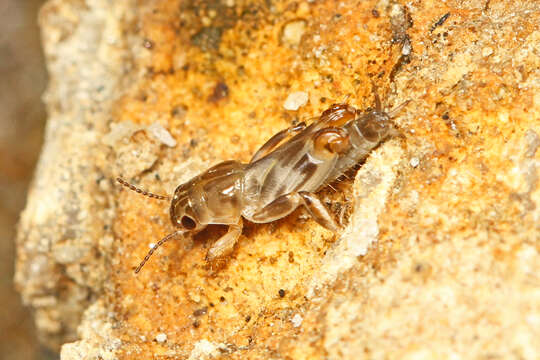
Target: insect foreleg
(275, 140)
(286, 204)
(224, 246)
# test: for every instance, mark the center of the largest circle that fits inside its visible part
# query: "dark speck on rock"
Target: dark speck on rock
(207, 39)
(200, 311)
(221, 91)
(179, 111)
(148, 44)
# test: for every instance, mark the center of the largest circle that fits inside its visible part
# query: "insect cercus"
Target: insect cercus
(285, 173)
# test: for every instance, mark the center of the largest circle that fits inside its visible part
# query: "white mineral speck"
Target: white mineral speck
(161, 134)
(414, 162)
(297, 320)
(406, 50)
(296, 100)
(151, 245)
(204, 349)
(161, 337)
(293, 31)
(487, 51)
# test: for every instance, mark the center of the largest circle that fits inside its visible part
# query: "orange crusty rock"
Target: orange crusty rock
(440, 257)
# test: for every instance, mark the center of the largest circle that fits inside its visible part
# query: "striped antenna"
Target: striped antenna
(153, 248)
(141, 191)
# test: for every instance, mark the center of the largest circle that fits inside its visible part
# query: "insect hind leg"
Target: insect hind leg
(286, 204)
(318, 211)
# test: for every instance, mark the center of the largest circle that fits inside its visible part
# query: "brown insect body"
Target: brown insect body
(282, 175)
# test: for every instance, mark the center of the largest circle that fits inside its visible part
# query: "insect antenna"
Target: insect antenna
(345, 99)
(159, 243)
(392, 113)
(378, 105)
(141, 191)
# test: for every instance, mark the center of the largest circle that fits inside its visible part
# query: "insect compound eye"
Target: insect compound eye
(188, 223)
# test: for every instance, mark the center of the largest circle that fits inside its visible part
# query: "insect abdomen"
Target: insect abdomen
(365, 134)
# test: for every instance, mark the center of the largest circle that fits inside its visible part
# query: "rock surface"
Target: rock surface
(440, 258)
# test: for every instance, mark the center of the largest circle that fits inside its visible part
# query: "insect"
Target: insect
(285, 173)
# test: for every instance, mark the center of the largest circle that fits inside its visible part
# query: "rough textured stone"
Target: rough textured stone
(63, 231)
(440, 259)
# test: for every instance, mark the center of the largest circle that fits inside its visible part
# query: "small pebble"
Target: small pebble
(487, 51)
(414, 162)
(293, 31)
(161, 134)
(206, 21)
(296, 100)
(297, 320)
(161, 337)
(406, 49)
